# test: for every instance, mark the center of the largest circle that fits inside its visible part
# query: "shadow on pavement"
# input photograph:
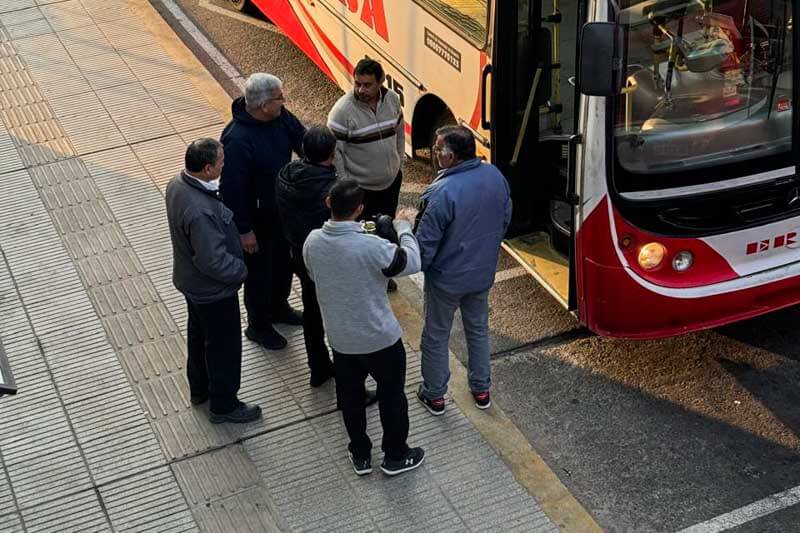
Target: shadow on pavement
(636, 461)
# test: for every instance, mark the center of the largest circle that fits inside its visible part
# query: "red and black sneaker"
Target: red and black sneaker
(482, 399)
(434, 407)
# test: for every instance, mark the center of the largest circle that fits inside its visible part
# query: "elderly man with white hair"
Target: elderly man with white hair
(258, 142)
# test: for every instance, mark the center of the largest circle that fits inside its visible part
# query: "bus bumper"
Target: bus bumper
(616, 306)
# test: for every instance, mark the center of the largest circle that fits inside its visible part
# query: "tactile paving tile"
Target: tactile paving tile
(66, 15)
(189, 432)
(42, 50)
(165, 396)
(193, 119)
(150, 239)
(124, 296)
(58, 80)
(217, 474)
(115, 435)
(151, 501)
(248, 511)
(9, 157)
(79, 512)
(162, 158)
(303, 481)
(95, 241)
(150, 61)
(128, 189)
(139, 326)
(11, 523)
(103, 135)
(154, 360)
(126, 33)
(111, 267)
(8, 504)
(105, 70)
(213, 132)
(25, 23)
(175, 92)
(85, 216)
(14, 5)
(106, 10)
(85, 42)
(43, 460)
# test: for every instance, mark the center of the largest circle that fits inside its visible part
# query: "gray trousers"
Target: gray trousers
(440, 307)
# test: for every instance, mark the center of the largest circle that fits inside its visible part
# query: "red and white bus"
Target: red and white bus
(662, 196)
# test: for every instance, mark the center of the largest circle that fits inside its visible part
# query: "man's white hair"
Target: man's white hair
(260, 88)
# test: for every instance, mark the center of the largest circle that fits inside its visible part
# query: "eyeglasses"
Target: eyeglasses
(441, 150)
(280, 98)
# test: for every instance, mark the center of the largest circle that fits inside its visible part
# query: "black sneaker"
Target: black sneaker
(482, 399)
(241, 415)
(434, 407)
(268, 337)
(289, 316)
(391, 286)
(412, 460)
(362, 467)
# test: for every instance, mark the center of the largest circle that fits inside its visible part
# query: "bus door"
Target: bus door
(534, 135)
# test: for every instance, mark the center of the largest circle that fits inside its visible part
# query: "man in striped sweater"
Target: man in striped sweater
(370, 133)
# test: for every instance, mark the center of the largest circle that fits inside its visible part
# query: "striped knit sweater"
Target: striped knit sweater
(370, 144)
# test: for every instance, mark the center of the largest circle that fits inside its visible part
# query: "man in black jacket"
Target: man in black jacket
(300, 193)
(258, 142)
(208, 270)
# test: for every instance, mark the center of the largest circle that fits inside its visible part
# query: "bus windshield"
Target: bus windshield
(709, 83)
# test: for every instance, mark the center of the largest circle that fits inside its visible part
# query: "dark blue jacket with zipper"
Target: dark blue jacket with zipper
(255, 151)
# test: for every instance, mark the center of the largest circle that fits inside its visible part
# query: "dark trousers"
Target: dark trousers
(383, 202)
(388, 368)
(269, 277)
(319, 359)
(214, 346)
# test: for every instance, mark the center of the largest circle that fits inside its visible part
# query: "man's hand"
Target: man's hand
(409, 214)
(249, 242)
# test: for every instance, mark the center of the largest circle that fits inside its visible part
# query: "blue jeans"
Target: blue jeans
(440, 307)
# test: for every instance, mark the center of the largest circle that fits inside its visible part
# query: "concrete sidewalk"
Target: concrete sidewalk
(96, 114)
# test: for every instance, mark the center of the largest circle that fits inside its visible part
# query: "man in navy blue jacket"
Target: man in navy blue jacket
(465, 213)
(258, 142)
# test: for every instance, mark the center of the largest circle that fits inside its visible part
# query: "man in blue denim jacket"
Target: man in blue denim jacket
(465, 213)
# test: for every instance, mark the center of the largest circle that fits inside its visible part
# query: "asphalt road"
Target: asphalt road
(648, 436)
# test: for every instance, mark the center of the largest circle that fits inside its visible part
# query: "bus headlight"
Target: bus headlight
(683, 261)
(651, 255)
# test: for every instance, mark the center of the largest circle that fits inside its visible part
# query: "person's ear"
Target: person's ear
(359, 210)
(328, 201)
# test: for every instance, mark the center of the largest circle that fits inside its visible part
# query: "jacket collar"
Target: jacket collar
(192, 182)
(464, 166)
(339, 227)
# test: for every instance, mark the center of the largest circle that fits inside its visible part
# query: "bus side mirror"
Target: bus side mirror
(599, 69)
